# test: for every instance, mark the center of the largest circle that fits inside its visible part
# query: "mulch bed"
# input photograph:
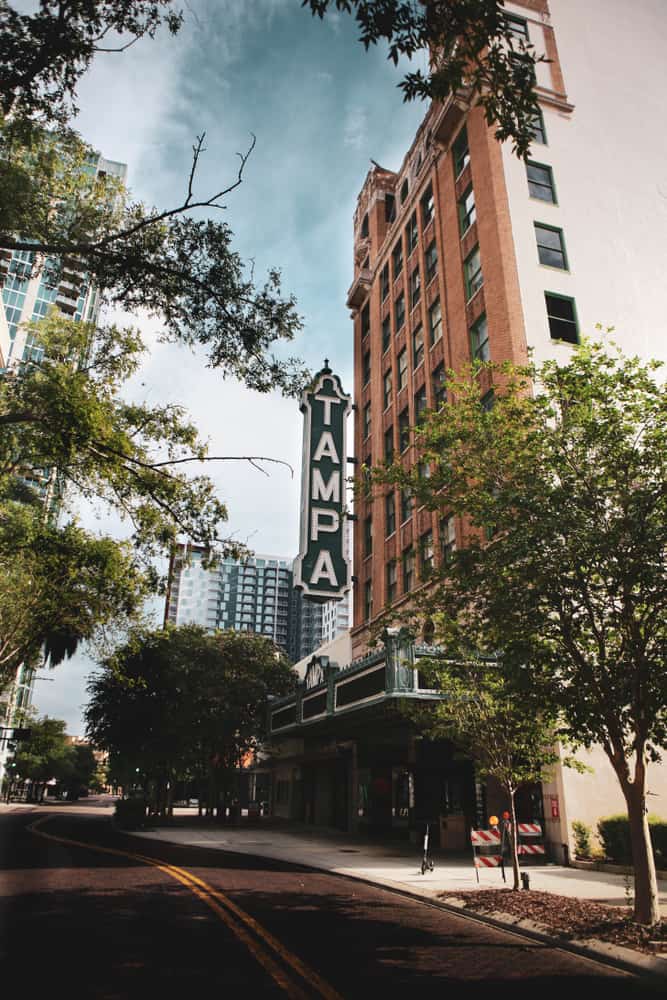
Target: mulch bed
(569, 918)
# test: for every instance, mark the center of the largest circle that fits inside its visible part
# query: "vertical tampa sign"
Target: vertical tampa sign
(322, 569)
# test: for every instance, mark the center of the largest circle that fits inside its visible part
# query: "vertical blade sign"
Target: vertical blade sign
(322, 570)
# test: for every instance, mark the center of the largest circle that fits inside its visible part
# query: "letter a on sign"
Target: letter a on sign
(322, 570)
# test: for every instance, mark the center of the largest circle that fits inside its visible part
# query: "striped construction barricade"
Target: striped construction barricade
(528, 834)
(490, 841)
(529, 829)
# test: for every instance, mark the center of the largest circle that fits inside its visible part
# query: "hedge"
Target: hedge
(614, 833)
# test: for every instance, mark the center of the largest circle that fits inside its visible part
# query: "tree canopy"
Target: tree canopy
(44, 54)
(474, 47)
(180, 702)
(563, 573)
(50, 754)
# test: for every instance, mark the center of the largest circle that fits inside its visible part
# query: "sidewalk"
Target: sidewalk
(396, 865)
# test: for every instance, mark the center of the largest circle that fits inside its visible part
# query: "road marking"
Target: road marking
(226, 910)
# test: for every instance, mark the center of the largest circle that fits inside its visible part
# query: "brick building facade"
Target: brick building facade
(436, 285)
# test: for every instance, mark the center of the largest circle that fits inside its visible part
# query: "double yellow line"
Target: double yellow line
(262, 945)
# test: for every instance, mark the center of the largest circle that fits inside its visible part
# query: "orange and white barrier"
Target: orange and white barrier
(529, 829)
(481, 838)
(532, 849)
(488, 860)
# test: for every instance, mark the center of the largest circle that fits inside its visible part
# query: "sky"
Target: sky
(320, 107)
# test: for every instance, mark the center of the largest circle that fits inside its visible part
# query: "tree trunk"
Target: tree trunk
(647, 910)
(514, 841)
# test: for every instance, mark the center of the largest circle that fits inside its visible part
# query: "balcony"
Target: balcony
(359, 288)
(448, 115)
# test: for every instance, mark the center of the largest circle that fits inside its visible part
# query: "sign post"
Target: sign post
(322, 570)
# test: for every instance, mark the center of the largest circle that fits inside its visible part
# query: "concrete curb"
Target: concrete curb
(624, 959)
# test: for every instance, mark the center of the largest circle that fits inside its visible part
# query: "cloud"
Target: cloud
(355, 128)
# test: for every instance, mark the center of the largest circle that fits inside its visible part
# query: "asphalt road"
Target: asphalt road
(125, 918)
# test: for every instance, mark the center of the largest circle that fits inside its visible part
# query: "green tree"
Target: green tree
(44, 756)
(44, 53)
(501, 726)
(81, 227)
(78, 225)
(66, 414)
(59, 587)
(475, 50)
(563, 571)
(81, 770)
(179, 701)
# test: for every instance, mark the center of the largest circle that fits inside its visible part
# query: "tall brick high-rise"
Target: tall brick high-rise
(467, 252)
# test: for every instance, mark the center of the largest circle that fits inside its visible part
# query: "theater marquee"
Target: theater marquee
(322, 570)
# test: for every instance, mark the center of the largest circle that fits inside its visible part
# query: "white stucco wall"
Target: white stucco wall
(609, 159)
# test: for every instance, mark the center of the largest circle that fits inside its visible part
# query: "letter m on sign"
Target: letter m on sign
(322, 569)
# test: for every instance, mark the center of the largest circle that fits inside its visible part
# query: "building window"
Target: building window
(539, 132)
(488, 401)
(386, 333)
(368, 536)
(387, 387)
(404, 190)
(562, 317)
(431, 261)
(426, 553)
(517, 26)
(447, 539)
(364, 226)
(392, 579)
(403, 429)
(408, 569)
(389, 444)
(402, 369)
(412, 233)
(366, 368)
(389, 208)
(424, 470)
(427, 207)
(479, 340)
(550, 246)
(415, 288)
(390, 514)
(367, 419)
(397, 259)
(418, 346)
(421, 404)
(365, 320)
(406, 505)
(461, 152)
(467, 210)
(439, 386)
(368, 599)
(435, 322)
(472, 270)
(541, 182)
(384, 282)
(366, 478)
(399, 311)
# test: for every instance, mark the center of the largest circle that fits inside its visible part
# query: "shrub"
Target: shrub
(582, 839)
(130, 814)
(614, 832)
